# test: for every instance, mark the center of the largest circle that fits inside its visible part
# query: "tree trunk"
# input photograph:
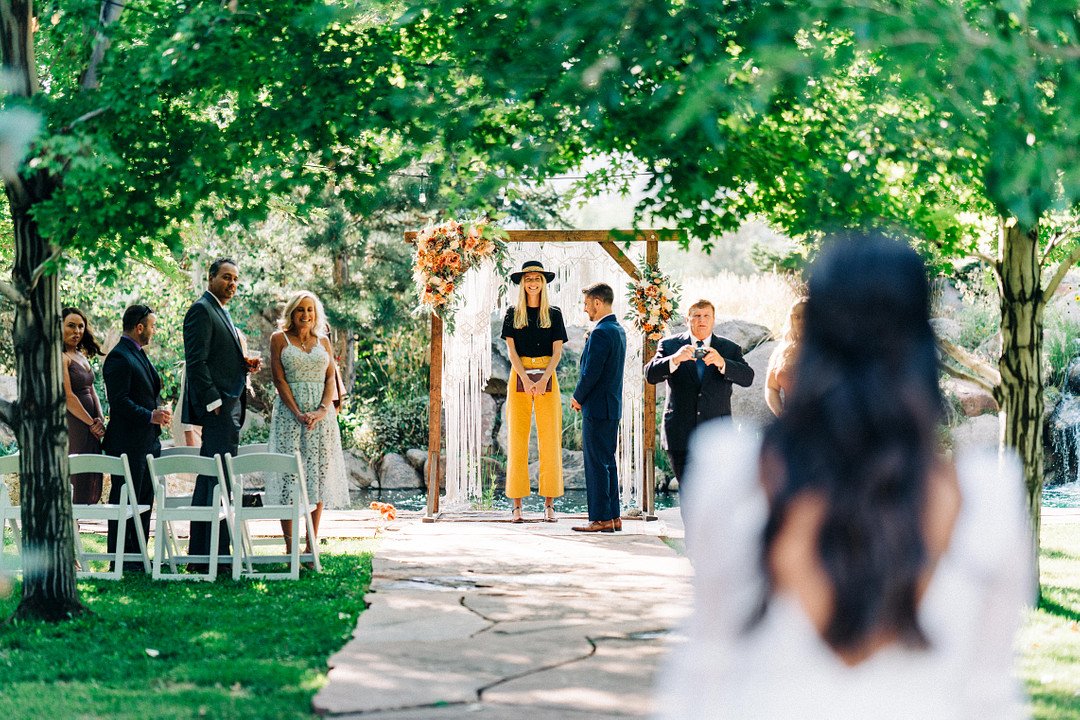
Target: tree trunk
(1020, 394)
(49, 591)
(345, 347)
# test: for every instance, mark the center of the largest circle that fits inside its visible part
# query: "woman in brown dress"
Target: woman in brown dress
(85, 421)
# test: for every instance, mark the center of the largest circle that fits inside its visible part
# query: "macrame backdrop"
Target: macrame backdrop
(467, 360)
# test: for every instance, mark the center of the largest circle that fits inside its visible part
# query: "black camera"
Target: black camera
(700, 353)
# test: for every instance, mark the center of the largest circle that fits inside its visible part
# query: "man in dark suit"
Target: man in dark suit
(216, 381)
(133, 388)
(598, 397)
(700, 368)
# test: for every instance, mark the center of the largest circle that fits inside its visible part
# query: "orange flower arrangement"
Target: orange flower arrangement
(653, 299)
(446, 252)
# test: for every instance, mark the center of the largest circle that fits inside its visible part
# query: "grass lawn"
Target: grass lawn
(249, 649)
(1050, 641)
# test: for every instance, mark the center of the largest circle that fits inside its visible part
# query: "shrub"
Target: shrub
(1061, 343)
(391, 425)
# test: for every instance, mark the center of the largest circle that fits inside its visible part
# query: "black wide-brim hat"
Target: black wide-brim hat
(531, 266)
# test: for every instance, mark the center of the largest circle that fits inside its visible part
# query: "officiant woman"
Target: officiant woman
(534, 334)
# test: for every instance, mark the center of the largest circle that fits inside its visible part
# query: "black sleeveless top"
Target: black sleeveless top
(533, 340)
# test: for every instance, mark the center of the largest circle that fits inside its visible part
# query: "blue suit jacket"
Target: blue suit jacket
(599, 388)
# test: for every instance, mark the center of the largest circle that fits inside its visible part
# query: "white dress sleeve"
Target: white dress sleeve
(998, 550)
(724, 512)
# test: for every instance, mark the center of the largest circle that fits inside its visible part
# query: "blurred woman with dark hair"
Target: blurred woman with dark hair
(85, 421)
(845, 567)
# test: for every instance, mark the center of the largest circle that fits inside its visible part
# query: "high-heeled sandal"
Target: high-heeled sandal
(515, 516)
(549, 513)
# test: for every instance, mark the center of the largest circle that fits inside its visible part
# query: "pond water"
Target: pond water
(574, 502)
(1066, 495)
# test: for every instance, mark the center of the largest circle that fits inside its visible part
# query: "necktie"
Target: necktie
(700, 363)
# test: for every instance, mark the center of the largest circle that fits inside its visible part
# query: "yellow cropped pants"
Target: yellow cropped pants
(519, 413)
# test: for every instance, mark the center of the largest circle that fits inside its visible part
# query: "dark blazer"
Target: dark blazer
(215, 365)
(599, 388)
(133, 387)
(691, 402)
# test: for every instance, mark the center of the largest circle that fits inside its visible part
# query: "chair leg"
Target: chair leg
(212, 551)
(142, 538)
(159, 549)
(118, 554)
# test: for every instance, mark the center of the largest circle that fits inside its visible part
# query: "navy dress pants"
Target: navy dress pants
(599, 438)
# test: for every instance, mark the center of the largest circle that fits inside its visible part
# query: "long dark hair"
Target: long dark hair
(860, 431)
(88, 345)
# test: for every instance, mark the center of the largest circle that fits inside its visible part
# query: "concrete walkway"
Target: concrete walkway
(493, 620)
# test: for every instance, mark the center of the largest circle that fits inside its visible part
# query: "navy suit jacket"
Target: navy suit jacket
(599, 388)
(133, 387)
(214, 361)
(690, 401)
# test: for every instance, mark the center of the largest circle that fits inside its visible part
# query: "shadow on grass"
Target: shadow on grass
(1053, 607)
(1055, 554)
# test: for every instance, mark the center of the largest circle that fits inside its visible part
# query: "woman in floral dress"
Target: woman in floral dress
(304, 418)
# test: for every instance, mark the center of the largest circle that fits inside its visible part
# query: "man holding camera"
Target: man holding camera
(699, 368)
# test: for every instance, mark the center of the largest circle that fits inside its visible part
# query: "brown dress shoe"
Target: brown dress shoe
(606, 526)
(618, 524)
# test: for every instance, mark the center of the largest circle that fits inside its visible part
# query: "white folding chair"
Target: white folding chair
(170, 509)
(179, 450)
(299, 508)
(253, 448)
(125, 508)
(10, 516)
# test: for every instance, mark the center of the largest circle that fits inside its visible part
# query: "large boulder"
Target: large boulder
(746, 335)
(395, 473)
(416, 457)
(573, 465)
(9, 390)
(748, 403)
(981, 431)
(442, 472)
(972, 399)
(359, 471)
(947, 328)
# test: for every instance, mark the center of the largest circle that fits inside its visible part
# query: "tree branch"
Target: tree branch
(983, 373)
(83, 118)
(1063, 268)
(12, 293)
(9, 413)
(1056, 240)
(961, 375)
(43, 267)
(110, 13)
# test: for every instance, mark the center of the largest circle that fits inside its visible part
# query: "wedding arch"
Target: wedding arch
(461, 360)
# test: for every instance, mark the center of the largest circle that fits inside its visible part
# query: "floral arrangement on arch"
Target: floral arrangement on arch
(447, 251)
(652, 301)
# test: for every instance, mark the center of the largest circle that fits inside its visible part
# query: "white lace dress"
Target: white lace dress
(320, 447)
(782, 669)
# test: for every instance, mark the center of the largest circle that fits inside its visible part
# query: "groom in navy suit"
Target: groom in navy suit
(599, 398)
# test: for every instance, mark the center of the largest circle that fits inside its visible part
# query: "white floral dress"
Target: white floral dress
(320, 447)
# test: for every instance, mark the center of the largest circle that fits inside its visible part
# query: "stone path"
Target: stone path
(493, 620)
